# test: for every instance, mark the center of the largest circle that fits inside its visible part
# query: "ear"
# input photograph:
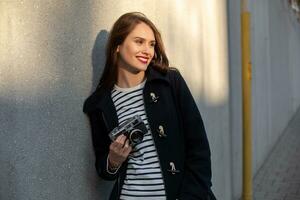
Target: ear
(118, 49)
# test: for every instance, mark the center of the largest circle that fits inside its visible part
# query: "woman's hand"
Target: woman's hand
(118, 152)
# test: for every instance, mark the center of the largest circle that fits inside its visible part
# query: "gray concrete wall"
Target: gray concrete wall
(235, 97)
(275, 44)
(45, 57)
(51, 57)
(276, 41)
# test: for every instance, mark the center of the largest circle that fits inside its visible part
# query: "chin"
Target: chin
(135, 68)
(138, 69)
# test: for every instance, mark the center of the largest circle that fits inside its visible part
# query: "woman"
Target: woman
(173, 159)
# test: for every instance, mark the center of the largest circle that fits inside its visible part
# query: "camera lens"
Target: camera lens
(136, 136)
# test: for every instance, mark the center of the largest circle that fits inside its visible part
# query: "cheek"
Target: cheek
(152, 54)
(131, 49)
(127, 52)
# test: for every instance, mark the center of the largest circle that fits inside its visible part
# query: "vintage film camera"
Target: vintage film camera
(133, 128)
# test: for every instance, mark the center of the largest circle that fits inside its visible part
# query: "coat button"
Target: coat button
(161, 131)
(173, 169)
(154, 98)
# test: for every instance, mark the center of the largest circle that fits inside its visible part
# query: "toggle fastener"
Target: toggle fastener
(173, 169)
(161, 131)
(154, 98)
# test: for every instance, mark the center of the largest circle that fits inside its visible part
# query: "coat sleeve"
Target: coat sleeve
(197, 174)
(101, 144)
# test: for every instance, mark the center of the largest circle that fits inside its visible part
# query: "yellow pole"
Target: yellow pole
(246, 85)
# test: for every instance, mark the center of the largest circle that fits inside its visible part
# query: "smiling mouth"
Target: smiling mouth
(144, 60)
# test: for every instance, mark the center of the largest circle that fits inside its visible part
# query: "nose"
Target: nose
(146, 49)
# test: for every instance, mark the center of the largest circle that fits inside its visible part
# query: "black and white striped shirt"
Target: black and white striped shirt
(143, 175)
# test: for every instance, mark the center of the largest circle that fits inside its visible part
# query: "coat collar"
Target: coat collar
(153, 74)
(101, 101)
(101, 98)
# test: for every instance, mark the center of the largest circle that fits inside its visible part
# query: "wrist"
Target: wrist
(112, 165)
(110, 168)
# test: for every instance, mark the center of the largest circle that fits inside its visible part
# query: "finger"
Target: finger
(112, 146)
(119, 138)
(126, 144)
(127, 151)
(126, 147)
(118, 143)
(123, 139)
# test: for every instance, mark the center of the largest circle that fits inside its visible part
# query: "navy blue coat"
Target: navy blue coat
(185, 143)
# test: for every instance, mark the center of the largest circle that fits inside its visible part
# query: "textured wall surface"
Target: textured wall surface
(45, 148)
(234, 30)
(51, 57)
(275, 79)
(276, 41)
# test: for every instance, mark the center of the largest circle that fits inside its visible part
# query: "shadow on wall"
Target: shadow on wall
(98, 57)
(98, 62)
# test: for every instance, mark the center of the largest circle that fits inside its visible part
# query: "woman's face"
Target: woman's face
(137, 50)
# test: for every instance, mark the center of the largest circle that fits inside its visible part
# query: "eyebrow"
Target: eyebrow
(144, 39)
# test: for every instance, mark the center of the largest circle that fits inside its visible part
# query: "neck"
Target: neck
(128, 79)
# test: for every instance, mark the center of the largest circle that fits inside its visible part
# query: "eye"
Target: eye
(139, 41)
(152, 44)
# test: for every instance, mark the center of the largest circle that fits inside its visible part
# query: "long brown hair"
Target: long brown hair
(120, 30)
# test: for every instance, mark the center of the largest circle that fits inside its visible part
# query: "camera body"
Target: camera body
(133, 128)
